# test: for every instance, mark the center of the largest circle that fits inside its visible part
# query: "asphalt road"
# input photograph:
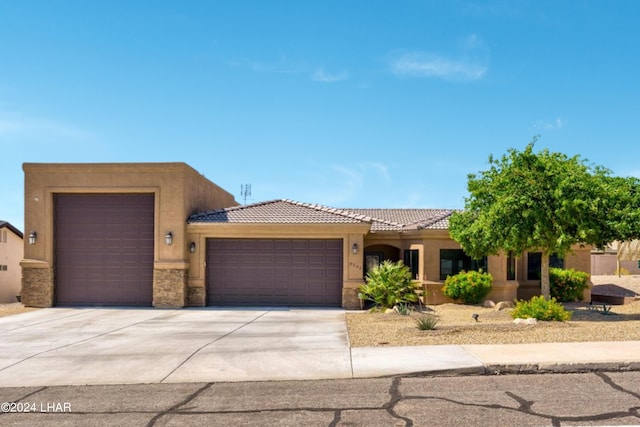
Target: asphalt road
(600, 398)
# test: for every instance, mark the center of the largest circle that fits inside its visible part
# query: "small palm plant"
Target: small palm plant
(389, 284)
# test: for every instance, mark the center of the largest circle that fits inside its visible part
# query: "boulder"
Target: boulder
(530, 321)
(489, 304)
(504, 305)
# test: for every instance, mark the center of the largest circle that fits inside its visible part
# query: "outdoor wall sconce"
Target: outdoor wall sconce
(168, 239)
(354, 248)
(33, 236)
(192, 247)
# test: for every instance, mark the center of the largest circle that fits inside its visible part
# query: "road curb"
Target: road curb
(561, 368)
(531, 368)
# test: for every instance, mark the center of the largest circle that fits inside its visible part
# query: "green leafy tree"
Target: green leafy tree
(623, 207)
(544, 201)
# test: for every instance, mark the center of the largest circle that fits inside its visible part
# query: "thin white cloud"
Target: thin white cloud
(288, 66)
(557, 123)
(419, 64)
(10, 126)
(320, 75)
(472, 41)
(352, 180)
(469, 64)
(345, 185)
(14, 124)
(281, 66)
(381, 168)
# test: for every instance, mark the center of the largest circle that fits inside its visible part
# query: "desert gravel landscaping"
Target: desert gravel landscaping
(457, 326)
(14, 308)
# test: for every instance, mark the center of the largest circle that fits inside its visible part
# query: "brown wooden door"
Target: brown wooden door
(289, 272)
(104, 249)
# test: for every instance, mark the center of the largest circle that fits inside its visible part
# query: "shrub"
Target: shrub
(622, 272)
(567, 285)
(389, 284)
(426, 322)
(541, 309)
(469, 286)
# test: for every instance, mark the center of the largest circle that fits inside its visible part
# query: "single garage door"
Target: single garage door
(296, 272)
(104, 249)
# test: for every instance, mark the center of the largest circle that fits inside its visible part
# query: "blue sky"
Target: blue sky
(343, 103)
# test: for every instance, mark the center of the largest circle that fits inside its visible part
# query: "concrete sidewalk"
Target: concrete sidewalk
(70, 346)
(495, 359)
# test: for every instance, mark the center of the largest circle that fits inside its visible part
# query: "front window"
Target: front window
(372, 260)
(411, 261)
(534, 264)
(453, 261)
(511, 266)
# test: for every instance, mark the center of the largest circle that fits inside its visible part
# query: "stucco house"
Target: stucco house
(616, 258)
(162, 235)
(11, 253)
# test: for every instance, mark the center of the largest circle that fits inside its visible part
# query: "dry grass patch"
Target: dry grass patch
(457, 326)
(14, 308)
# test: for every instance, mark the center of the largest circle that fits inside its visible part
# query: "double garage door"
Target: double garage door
(297, 272)
(104, 249)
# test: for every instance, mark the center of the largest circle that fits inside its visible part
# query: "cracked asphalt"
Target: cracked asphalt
(598, 398)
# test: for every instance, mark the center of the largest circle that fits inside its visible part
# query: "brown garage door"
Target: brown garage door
(104, 249)
(293, 272)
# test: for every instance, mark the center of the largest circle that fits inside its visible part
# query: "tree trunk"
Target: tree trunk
(545, 285)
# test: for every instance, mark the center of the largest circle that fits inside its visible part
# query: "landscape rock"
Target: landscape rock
(504, 305)
(530, 321)
(489, 304)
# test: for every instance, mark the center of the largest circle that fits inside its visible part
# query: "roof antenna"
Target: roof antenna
(245, 191)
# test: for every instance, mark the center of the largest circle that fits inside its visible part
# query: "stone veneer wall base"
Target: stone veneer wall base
(350, 300)
(37, 287)
(196, 297)
(169, 288)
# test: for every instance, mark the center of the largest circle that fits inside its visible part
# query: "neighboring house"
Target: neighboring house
(162, 235)
(616, 256)
(11, 253)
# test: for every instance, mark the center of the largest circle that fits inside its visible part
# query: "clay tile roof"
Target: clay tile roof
(406, 219)
(284, 211)
(280, 211)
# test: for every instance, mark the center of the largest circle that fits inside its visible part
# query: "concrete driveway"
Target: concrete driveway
(72, 346)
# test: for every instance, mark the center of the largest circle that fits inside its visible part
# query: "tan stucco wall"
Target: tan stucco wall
(430, 242)
(349, 233)
(579, 259)
(607, 264)
(178, 190)
(11, 253)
